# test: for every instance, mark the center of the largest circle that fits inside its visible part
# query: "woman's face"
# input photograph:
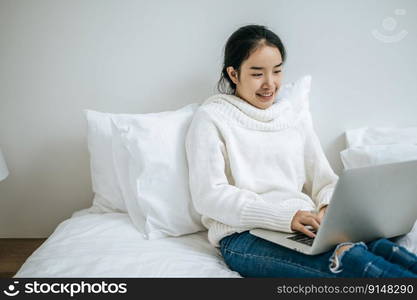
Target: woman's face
(260, 77)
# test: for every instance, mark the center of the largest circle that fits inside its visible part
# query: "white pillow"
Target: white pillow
(107, 193)
(158, 172)
(381, 136)
(121, 159)
(297, 93)
(363, 156)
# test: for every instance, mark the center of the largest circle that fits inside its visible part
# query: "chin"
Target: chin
(263, 105)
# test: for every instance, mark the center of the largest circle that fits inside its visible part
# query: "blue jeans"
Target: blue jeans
(252, 256)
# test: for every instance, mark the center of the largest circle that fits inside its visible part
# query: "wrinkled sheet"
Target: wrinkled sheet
(108, 245)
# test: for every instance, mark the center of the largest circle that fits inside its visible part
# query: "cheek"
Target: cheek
(277, 83)
(256, 85)
(252, 85)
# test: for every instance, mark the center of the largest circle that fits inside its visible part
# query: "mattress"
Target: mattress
(108, 245)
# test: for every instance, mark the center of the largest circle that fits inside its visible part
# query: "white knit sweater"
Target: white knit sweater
(248, 166)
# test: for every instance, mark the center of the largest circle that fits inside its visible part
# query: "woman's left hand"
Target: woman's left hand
(321, 213)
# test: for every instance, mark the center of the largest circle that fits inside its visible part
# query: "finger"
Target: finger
(307, 232)
(305, 216)
(317, 218)
(315, 224)
(321, 218)
(308, 219)
(311, 225)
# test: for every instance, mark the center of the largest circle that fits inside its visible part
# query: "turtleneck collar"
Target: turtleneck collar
(279, 115)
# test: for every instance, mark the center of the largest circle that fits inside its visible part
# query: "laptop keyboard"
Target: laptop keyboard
(302, 238)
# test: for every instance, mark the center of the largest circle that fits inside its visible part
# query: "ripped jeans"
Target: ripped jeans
(252, 256)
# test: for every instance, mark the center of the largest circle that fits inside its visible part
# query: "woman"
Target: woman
(256, 162)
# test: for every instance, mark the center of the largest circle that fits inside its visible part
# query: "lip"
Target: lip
(265, 99)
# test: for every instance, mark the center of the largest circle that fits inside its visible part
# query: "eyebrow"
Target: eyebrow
(260, 68)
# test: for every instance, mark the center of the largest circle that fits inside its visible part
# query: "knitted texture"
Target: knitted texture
(250, 167)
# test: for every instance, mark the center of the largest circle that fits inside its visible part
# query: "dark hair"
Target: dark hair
(240, 46)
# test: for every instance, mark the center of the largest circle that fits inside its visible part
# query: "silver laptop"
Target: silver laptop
(368, 203)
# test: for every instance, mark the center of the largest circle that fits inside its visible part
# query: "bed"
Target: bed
(108, 245)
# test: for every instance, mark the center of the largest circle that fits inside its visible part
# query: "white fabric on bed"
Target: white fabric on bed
(157, 170)
(107, 194)
(108, 245)
(366, 136)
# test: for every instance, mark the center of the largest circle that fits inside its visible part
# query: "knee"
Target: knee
(336, 265)
(377, 244)
(339, 251)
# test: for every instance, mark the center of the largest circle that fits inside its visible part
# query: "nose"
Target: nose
(268, 83)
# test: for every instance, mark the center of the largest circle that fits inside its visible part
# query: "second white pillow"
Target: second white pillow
(157, 185)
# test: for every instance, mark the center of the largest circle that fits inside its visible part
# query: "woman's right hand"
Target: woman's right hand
(305, 218)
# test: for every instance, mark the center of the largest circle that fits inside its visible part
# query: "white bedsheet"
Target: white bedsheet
(108, 245)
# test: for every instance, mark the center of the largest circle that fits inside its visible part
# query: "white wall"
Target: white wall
(59, 57)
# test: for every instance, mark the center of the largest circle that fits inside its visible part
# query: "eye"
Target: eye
(256, 75)
(276, 72)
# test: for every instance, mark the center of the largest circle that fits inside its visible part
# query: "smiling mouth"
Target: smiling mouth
(266, 96)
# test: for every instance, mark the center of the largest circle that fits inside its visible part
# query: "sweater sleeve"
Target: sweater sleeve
(215, 197)
(320, 178)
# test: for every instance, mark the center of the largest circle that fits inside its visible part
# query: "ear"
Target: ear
(232, 74)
